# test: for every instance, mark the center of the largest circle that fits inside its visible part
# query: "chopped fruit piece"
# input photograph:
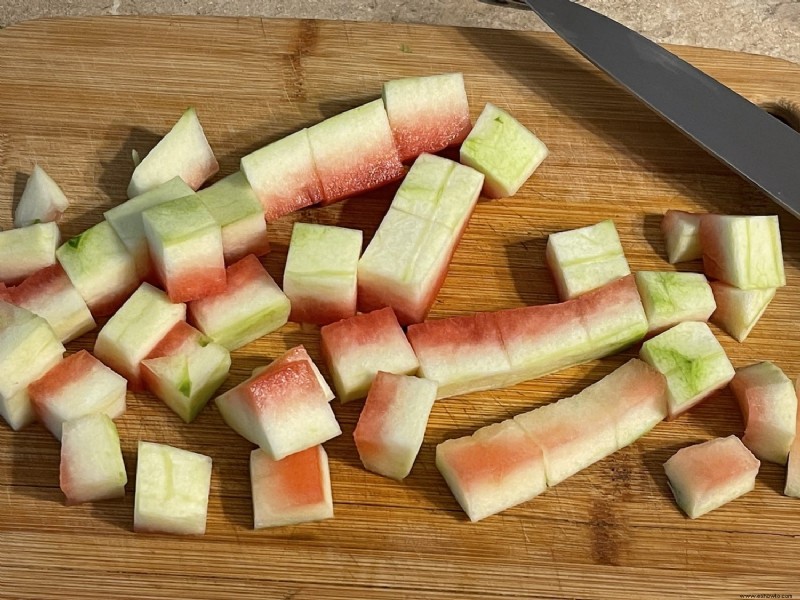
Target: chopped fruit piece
(28, 349)
(682, 236)
(184, 152)
(495, 468)
(792, 487)
(742, 251)
(77, 386)
(355, 349)
(504, 150)
(462, 354)
(582, 260)
(536, 340)
(392, 423)
(692, 360)
(283, 175)
(126, 220)
(172, 487)
(738, 311)
(42, 201)
(26, 250)
(406, 262)
(91, 460)
(320, 274)
(50, 294)
(185, 369)
(670, 298)
(131, 334)
(354, 151)
(186, 248)
(235, 208)
(299, 353)
(100, 267)
(705, 476)
(427, 114)
(293, 490)
(282, 408)
(769, 405)
(251, 305)
(578, 431)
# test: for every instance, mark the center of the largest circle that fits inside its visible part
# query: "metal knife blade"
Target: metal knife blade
(746, 138)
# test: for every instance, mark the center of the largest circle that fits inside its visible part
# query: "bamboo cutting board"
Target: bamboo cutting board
(78, 95)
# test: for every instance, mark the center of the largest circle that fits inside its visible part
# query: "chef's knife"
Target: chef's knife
(750, 141)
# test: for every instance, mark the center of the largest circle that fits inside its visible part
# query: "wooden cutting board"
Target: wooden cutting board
(77, 96)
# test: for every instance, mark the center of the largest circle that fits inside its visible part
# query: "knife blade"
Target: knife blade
(756, 145)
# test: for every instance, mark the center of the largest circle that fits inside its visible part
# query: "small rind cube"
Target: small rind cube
(738, 311)
(670, 297)
(355, 349)
(172, 488)
(681, 236)
(320, 274)
(504, 150)
(91, 460)
(692, 360)
(295, 489)
(585, 259)
(26, 250)
(705, 476)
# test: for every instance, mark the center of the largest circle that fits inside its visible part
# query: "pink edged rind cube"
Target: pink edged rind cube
(407, 259)
(737, 310)
(681, 236)
(28, 349)
(100, 267)
(234, 206)
(354, 152)
(50, 294)
(392, 424)
(250, 306)
(185, 369)
(77, 386)
(769, 406)
(427, 114)
(504, 150)
(283, 175)
(692, 360)
(355, 349)
(743, 251)
(183, 152)
(497, 467)
(172, 488)
(126, 220)
(461, 354)
(42, 201)
(130, 335)
(293, 490)
(282, 408)
(185, 244)
(91, 460)
(320, 274)
(299, 353)
(25, 250)
(706, 476)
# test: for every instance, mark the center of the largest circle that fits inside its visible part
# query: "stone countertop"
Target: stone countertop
(770, 27)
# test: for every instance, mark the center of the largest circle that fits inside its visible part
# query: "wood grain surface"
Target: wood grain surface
(77, 96)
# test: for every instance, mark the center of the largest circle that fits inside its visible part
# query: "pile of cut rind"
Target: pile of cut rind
(176, 268)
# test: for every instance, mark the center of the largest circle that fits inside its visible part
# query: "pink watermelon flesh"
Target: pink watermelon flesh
(299, 353)
(705, 476)
(355, 349)
(536, 340)
(769, 406)
(681, 236)
(50, 294)
(295, 489)
(392, 424)
(495, 468)
(77, 386)
(283, 409)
